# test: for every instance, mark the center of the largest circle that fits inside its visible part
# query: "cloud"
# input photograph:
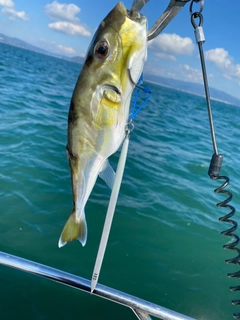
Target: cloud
(69, 28)
(13, 14)
(177, 72)
(67, 22)
(192, 74)
(7, 3)
(168, 46)
(8, 8)
(166, 56)
(154, 70)
(62, 11)
(67, 50)
(224, 63)
(219, 57)
(54, 47)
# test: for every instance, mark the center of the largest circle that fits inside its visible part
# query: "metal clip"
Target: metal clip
(198, 29)
(201, 6)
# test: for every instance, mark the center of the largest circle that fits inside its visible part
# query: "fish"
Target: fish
(99, 108)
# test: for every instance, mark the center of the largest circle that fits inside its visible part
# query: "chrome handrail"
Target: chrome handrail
(142, 308)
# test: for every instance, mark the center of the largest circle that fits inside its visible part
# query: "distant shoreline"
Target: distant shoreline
(190, 92)
(197, 89)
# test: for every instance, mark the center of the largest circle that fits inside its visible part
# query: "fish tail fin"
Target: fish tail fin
(74, 229)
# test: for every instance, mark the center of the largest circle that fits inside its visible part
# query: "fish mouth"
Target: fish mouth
(112, 93)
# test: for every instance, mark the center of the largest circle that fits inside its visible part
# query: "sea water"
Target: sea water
(165, 244)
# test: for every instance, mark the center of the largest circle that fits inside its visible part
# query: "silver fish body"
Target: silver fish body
(99, 108)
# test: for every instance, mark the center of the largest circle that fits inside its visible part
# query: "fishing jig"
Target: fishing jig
(216, 161)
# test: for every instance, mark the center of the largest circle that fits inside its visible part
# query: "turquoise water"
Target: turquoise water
(165, 244)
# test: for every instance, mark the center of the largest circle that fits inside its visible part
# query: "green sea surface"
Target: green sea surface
(165, 244)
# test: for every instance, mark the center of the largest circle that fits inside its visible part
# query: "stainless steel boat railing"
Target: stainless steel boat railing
(142, 309)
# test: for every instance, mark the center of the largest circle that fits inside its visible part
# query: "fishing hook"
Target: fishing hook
(132, 81)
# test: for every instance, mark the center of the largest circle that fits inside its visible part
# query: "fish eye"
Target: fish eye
(101, 49)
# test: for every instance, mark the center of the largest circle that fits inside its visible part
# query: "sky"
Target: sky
(66, 27)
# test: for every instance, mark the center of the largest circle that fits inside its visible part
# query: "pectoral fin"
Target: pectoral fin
(107, 174)
(74, 229)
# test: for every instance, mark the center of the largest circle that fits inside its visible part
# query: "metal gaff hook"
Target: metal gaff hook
(172, 10)
(137, 6)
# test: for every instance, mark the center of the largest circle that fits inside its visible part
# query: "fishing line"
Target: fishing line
(136, 110)
(216, 161)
